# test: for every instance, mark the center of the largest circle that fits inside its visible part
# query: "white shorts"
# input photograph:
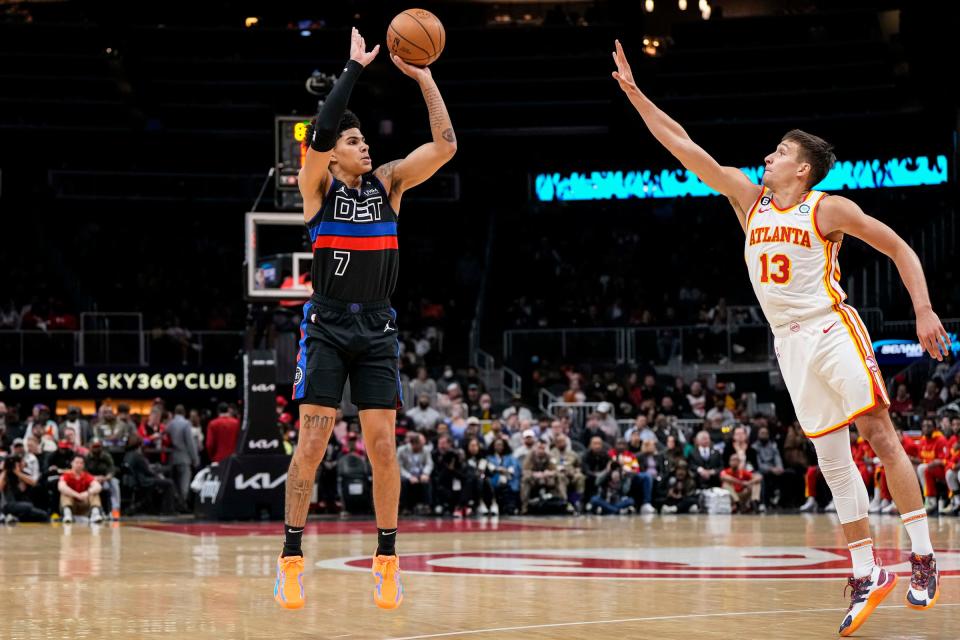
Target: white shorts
(828, 365)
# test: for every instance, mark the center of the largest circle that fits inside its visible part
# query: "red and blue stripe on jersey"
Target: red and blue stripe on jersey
(350, 236)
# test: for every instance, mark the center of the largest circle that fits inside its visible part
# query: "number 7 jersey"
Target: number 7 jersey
(793, 269)
(356, 257)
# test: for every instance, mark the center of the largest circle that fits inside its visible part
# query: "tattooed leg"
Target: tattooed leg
(316, 425)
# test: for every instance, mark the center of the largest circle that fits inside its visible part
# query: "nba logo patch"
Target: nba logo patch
(298, 376)
(872, 364)
(794, 326)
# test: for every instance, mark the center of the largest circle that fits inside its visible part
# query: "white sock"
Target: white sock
(915, 523)
(861, 553)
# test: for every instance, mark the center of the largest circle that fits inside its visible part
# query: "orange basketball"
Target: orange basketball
(416, 36)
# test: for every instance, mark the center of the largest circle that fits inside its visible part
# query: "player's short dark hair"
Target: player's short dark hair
(348, 121)
(814, 150)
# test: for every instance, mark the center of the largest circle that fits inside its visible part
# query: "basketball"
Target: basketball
(416, 36)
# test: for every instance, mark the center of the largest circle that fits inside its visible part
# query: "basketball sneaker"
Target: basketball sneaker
(924, 582)
(387, 587)
(288, 589)
(867, 592)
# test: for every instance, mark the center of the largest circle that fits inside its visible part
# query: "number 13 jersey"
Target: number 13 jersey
(356, 257)
(793, 269)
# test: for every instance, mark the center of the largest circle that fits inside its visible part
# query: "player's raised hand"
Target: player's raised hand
(623, 75)
(417, 73)
(358, 49)
(933, 337)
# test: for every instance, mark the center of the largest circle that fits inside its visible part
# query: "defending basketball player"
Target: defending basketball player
(793, 236)
(349, 329)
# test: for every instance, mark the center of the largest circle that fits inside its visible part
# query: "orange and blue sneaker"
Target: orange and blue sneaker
(387, 588)
(288, 589)
(867, 592)
(924, 582)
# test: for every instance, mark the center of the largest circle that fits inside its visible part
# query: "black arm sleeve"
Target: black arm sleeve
(325, 131)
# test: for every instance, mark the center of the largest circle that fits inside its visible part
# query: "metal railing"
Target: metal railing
(742, 340)
(140, 348)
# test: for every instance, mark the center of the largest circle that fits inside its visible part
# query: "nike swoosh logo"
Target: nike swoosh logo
(296, 530)
(830, 327)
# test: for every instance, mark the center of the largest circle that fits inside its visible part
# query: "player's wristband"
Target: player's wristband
(324, 135)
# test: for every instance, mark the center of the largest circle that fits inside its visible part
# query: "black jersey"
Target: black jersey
(354, 235)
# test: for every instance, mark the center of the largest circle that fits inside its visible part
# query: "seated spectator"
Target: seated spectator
(494, 433)
(80, 493)
(738, 445)
(902, 402)
(682, 493)
(110, 428)
(424, 416)
(100, 464)
(528, 445)
(471, 432)
(612, 495)
(416, 467)
(31, 464)
(423, 385)
(641, 426)
(568, 464)
(595, 464)
(16, 493)
(554, 428)
(477, 488)
(672, 455)
(447, 477)
(457, 423)
(744, 486)
(639, 481)
(71, 436)
(592, 429)
(952, 479)
(153, 491)
(540, 477)
(697, 400)
(473, 400)
(486, 408)
(79, 424)
(505, 475)
(665, 427)
(706, 461)
(607, 422)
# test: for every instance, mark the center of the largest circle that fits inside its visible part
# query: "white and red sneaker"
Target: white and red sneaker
(867, 593)
(924, 582)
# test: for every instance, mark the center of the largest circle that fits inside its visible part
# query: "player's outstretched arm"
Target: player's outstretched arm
(729, 181)
(839, 214)
(314, 179)
(425, 160)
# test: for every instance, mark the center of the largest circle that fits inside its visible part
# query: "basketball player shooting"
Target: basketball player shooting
(349, 329)
(793, 236)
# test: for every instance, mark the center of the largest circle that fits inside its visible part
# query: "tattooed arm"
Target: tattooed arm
(425, 160)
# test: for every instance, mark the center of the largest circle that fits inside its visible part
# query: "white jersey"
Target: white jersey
(793, 269)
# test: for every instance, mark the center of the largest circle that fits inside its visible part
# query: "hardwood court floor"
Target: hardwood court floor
(699, 576)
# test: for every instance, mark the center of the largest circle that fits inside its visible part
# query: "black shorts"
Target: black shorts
(343, 339)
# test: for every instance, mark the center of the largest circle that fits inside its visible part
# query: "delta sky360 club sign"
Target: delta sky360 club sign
(673, 563)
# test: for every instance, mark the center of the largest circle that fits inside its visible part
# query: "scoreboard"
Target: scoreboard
(291, 151)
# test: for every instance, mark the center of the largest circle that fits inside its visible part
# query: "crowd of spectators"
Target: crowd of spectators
(72, 465)
(622, 444)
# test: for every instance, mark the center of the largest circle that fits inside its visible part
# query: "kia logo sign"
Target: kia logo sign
(258, 481)
(264, 387)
